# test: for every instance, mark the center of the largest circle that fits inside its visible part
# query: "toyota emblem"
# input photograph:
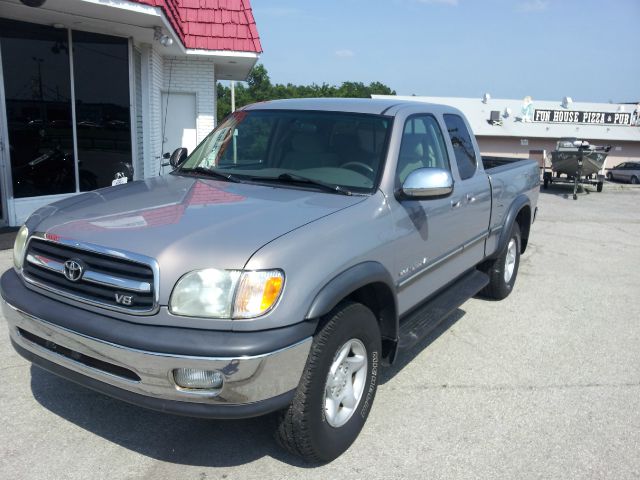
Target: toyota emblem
(73, 270)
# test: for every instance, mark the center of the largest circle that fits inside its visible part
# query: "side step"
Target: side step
(419, 323)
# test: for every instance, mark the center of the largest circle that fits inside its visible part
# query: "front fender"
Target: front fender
(347, 282)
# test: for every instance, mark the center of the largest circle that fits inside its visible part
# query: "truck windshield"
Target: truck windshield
(297, 148)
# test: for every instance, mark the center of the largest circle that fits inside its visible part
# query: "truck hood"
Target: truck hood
(185, 222)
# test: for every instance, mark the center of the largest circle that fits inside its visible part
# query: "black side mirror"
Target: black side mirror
(166, 155)
(178, 157)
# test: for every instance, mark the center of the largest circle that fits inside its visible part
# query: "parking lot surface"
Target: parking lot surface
(545, 384)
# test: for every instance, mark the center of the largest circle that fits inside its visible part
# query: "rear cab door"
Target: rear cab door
(471, 198)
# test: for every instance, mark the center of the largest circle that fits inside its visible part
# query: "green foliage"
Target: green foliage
(259, 88)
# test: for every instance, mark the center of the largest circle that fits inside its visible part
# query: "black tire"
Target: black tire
(610, 176)
(545, 184)
(599, 187)
(303, 428)
(634, 180)
(498, 288)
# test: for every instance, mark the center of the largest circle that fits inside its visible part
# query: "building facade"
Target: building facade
(529, 128)
(94, 91)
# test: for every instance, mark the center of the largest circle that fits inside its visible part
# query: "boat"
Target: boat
(580, 162)
(576, 157)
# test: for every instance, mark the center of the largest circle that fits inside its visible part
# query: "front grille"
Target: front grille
(80, 357)
(114, 282)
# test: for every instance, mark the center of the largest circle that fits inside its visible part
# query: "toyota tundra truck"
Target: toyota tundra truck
(302, 246)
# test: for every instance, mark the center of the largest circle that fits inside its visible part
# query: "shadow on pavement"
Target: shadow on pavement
(404, 358)
(183, 440)
(565, 191)
(165, 437)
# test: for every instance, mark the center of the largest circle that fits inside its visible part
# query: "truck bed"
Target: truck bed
(491, 163)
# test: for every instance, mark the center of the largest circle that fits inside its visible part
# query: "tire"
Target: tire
(305, 427)
(634, 180)
(500, 280)
(610, 176)
(599, 187)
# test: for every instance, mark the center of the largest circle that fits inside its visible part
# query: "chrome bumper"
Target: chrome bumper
(246, 379)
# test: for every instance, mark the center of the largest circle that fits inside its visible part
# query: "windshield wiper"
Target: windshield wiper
(293, 178)
(211, 173)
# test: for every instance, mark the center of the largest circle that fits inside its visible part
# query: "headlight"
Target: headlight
(211, 293)
(19, 246)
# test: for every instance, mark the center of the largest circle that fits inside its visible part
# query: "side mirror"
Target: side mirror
(178, 157)
(428, 183)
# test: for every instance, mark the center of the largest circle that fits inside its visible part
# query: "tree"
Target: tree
(259, 88)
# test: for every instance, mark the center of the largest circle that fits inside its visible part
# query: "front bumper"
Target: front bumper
(253, 384)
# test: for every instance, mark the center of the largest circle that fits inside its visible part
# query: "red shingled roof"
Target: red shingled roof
(212, 24)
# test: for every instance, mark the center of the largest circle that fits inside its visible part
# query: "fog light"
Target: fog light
(198, 379)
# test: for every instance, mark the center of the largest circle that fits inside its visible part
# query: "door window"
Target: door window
(422, 146)
(462, 146)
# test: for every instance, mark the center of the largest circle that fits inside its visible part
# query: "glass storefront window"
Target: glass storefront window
(35, 62)
(101, 80)
(38, 94)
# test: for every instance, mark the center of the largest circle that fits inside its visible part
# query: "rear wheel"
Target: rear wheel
(337, 387)
(503, 270)
(609, 176)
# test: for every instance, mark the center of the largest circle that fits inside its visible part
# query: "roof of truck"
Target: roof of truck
(354, 105)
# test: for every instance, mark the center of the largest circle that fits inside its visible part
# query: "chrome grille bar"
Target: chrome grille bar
(91, 276)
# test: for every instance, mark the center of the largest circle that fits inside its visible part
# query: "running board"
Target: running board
(419, 323)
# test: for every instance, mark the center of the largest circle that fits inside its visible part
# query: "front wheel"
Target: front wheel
(337, 387)
(599, 187)
(503, 270)
(634, 180)
(610, 176)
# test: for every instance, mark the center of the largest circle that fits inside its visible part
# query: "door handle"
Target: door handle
(470, 198)
(457, 204)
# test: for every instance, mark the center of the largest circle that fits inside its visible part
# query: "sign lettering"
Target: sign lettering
(591, 118)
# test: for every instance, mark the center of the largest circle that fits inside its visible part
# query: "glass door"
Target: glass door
(4, 145)
(35, 62)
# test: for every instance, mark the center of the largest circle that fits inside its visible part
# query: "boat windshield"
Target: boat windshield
(296, 149)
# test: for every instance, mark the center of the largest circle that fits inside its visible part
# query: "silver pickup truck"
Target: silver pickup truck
(301, 246)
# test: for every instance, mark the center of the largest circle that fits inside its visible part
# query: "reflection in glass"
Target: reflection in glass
(35, 62)
(101, 71)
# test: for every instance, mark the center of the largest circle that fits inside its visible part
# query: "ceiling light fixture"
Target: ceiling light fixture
(162, 38)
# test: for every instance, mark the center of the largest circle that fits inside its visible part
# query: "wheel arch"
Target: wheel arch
(371, 284)
(520, 212)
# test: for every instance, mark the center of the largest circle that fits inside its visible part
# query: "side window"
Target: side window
(422, 146)
(462, 145)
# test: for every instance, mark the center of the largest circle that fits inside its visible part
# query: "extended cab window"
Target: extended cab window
(462, 145)
(422, 146)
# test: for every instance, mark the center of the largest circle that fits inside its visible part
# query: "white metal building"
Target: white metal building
(531, 128)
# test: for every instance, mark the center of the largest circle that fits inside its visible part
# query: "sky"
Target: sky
(588, 50)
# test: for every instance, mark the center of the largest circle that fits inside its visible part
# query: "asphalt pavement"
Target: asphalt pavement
(545, 384)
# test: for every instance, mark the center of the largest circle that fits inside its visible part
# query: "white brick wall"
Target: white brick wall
(178, 75)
